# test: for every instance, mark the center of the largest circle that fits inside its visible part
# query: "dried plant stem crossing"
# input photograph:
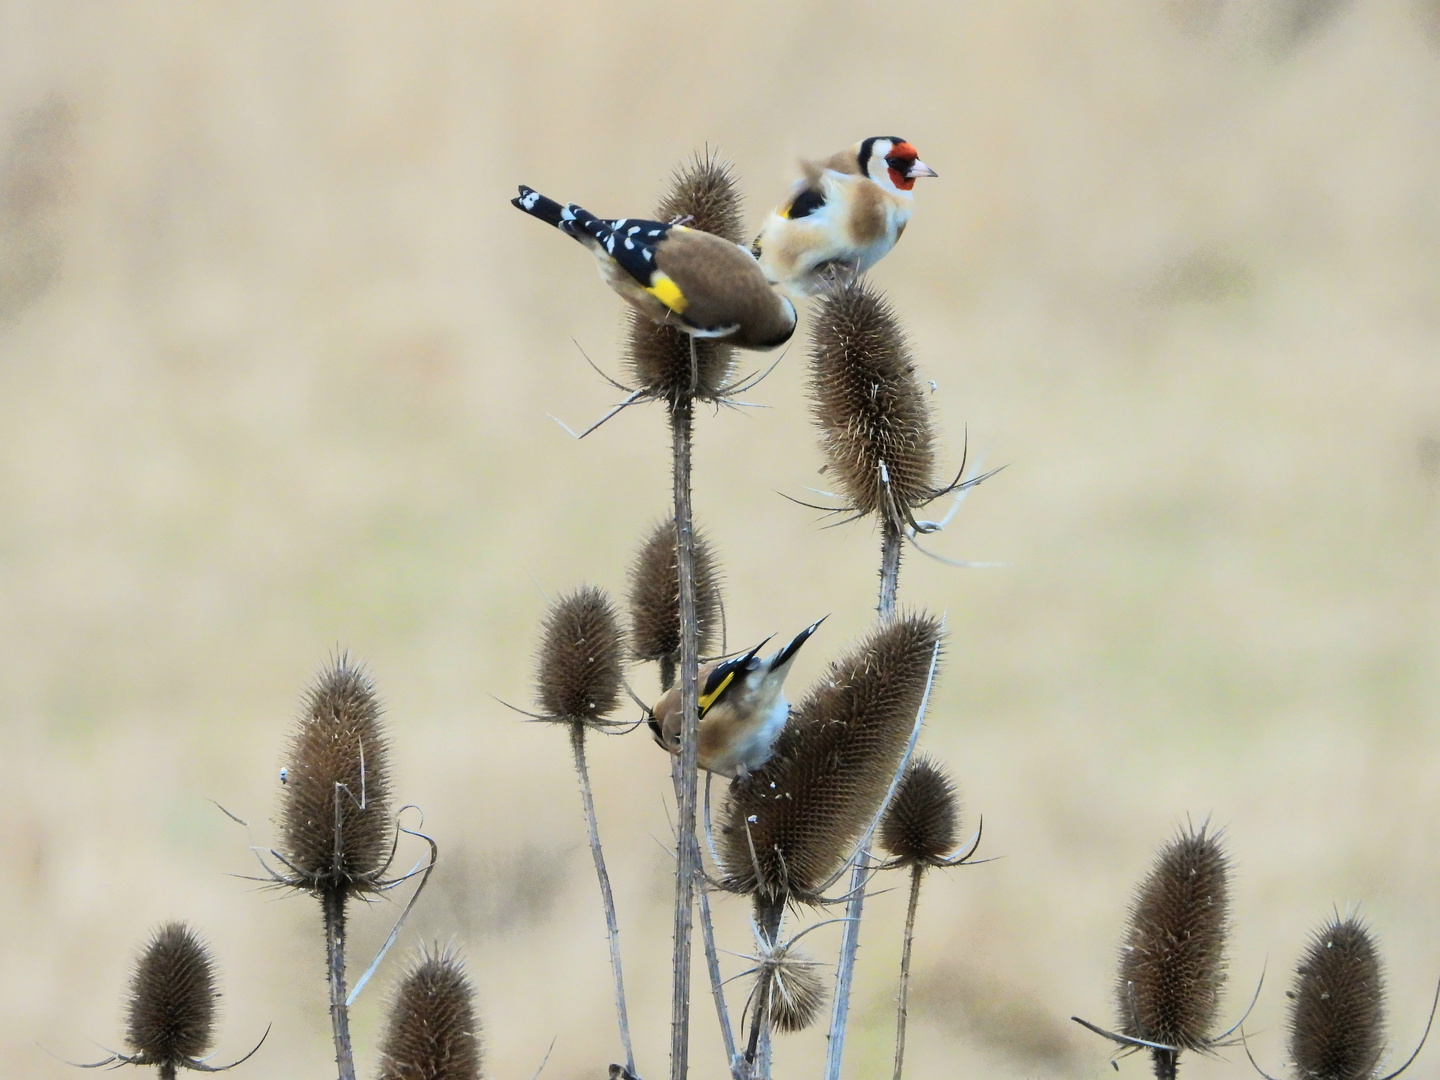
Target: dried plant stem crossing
(612, 924)
(332, 903)
(902, 1008)
(891, 541)
(682, 417)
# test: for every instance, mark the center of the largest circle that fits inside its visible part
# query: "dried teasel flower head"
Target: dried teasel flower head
(1337, 1010)
(705, 191)
(335, 815)
(923, 821)
(797, 992)
(655, 600)
(789, 825)
(874, 420)
(579, 669)
(1172, 965)
(432, 1032)
(171, 1015)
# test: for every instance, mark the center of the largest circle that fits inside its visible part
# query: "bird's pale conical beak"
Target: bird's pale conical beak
(920, 169)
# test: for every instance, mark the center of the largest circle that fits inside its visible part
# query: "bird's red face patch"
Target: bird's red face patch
(901, 158)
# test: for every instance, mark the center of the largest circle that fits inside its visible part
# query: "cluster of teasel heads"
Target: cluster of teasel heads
(1173, 972)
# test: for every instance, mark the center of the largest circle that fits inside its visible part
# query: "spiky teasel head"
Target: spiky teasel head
(867, 401)
(1172, 964)
(797, 992)
(170, 1020)
(789, 825)
(336, 825)
(580, 666)
(655, 600)
(923, 821)
(432, 1032)
(704, 191)
(1337, 1010)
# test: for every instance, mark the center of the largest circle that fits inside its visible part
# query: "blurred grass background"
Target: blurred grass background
(275, 363)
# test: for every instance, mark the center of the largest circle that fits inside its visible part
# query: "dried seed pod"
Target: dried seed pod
(655, 600)
(1172, 965)
(335, 806)
(580, 665)
(797, 993)
(705, 191)
(924, 817)
(1337, 1012)
(432, 1032)
(807, 806)
(872, 414)
(171, 1015)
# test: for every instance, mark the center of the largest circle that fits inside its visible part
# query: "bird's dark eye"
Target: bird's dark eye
(900, 165)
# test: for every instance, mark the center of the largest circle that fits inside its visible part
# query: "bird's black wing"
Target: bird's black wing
(631, 242)
(810, 199)
(723, 677)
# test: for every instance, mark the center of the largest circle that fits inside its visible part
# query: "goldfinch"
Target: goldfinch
(742, 709)
(843, 216)
(685, 278)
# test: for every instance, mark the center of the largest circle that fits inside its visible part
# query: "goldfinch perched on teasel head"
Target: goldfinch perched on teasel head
(843, 216)
(742, 709)
(691, 280)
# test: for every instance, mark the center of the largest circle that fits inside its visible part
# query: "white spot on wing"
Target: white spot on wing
(528, 202)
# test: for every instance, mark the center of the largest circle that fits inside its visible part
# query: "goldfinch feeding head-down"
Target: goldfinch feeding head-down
(843, 216)
(698, 283)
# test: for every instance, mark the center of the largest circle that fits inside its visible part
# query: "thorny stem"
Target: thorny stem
(612, 924)
(167, 1071)
(1166, 1063)
(717, 985)
(768, 914)
(682, 413)
(901, 1010)
(332, 905)
(892, 539)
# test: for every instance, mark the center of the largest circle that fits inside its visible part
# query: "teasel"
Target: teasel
(432, 1032)
(1337, 1006)
(170, 1011)
(920, 831)
(580, 672)
(338, 833)
(655, 601)
(1172, 964)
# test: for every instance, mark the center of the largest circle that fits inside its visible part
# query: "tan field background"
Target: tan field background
(276, 359)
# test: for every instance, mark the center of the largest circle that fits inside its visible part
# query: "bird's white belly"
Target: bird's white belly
(753, 751)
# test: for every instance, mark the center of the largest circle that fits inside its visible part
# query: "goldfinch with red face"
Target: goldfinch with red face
(742, 709)
(843, 216)
(696, 282)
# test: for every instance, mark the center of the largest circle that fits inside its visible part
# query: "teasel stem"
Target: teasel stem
(891, 541)
(682, 416)
(717, 985)
(902, 1010)
(768, 914)
(607, 897)
(332, 904)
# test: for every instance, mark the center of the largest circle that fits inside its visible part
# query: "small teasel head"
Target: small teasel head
(789, 825)
(1172, 964)
(1337, 1004)
(170, 1019)
(923, 821)
(432, 1032)
(867, 401)
(655, 600)
(336, 825)
(703, 194)
(579, 669)
(797, 992)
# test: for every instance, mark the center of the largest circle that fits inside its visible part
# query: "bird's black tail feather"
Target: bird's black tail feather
(571, 219)
(537, 205)
(790, 650)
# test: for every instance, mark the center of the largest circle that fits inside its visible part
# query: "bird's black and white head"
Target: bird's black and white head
(891, 162)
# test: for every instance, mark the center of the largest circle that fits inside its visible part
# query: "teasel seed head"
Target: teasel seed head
(923, 821)
(1337, 1011)
(704, 190)
(655, 600)
(171, 1014)
(339, 756)
(797, 992)
(432, 1032)
(1172, 965)
(833, 763)
(580, 666)
(868, 403)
